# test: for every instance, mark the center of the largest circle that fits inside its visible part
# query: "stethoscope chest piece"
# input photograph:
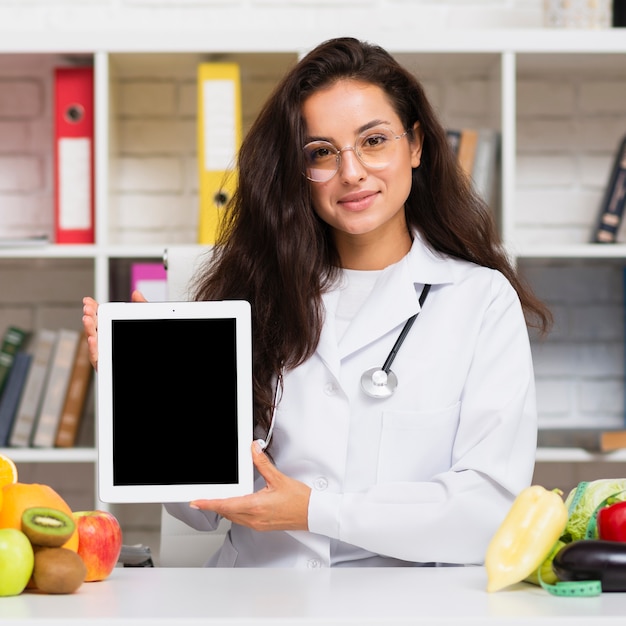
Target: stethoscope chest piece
(377, 383)
(381, 382)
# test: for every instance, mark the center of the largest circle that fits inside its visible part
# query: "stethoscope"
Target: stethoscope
(377, 382)
(381, 382)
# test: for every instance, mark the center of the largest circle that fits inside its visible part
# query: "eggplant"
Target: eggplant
(593, 559)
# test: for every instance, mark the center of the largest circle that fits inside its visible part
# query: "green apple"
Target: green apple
(16, 561)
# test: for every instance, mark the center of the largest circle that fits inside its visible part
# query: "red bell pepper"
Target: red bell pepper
(611, 522)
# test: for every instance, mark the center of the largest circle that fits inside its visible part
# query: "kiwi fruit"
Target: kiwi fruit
(58, 570)
(48, 527)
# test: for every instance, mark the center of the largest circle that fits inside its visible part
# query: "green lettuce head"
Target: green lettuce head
(592, 494)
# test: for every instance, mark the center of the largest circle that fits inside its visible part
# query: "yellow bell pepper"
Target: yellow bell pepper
(534, 523)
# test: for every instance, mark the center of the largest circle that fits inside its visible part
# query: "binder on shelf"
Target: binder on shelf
(76, 395)
(219, 137)
(28, 409)
(12, 341)
(55, 391)
(12, 393)
(613, 201)
(74, 155)
(150, 279)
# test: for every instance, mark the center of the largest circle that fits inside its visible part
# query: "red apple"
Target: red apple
(99, 542)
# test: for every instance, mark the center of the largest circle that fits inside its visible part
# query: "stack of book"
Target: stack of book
(478, 152)
(46, 391)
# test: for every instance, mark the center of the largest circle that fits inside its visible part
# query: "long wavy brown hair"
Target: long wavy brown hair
(274, 251)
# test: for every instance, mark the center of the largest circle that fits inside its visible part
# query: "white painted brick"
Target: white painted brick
(546, 170)
(188, 99)
(575, 205)
(541, 207)
(598, 323)
(554, 359)
(156, 213)
(21, 212)
(600, 359)
(542, 98)
(147, 98)
(148, 174)
(576, 284)
(20, 173)
(553, 396)
(469, 97)
(157, 137)
(147, 238)
(542, 135)
(602, 97)
(596, 170)
(602, 396)
(20, 99)
(545, 236)
(13, 136)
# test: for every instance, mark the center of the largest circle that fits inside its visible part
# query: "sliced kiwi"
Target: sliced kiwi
(58, 570)
(45, 526)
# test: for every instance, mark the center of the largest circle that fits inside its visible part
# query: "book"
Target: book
(75, 397)
(454, 138)
(55, 389)
(613, 201)
(12, 394)
(467, 149)
(485, 170)
(12, 341)
(28, 408)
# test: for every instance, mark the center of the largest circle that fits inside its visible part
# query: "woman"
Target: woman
(351, 216)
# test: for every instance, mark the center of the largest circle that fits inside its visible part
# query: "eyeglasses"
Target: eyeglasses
(374, 148)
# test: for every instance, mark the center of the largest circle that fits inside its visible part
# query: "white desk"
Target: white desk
(285, 597)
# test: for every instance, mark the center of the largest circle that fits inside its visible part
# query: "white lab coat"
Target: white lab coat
(427, 475)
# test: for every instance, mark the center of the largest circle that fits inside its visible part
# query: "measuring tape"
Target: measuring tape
(582, 588)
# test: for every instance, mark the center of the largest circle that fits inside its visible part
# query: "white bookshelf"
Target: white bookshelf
(494, 63)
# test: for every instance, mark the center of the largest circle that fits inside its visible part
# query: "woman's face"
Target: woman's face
(360, 200)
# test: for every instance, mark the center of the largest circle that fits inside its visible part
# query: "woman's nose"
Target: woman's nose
(350, 166)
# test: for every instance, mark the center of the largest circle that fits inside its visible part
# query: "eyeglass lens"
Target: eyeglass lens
(374, 148)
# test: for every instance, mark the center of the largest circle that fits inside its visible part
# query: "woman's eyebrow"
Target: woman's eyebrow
(359, 130)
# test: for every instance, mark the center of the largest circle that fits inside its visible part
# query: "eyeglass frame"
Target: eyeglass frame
(338, 152)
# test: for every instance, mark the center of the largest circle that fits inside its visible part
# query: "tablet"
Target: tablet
(174, 401)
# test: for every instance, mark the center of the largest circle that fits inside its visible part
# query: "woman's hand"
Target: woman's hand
(90, 324)
(282, 504)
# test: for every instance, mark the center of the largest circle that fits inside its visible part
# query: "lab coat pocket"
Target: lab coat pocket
(415, 445)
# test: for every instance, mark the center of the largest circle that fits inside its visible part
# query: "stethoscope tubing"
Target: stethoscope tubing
(405, 331)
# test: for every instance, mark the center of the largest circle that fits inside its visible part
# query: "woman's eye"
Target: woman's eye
(374, 141)
(319, 154)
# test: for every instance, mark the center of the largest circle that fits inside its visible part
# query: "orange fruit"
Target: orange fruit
(17, 497)
(8, 471)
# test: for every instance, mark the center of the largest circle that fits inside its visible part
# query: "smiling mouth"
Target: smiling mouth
(358, 201)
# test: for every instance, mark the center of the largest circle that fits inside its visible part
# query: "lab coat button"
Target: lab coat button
(320, 483)
(313, 563)
(330, 389)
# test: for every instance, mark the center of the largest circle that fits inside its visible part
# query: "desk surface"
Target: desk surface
(333, 597)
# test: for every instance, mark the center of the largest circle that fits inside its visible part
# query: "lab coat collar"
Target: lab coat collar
(394, 299)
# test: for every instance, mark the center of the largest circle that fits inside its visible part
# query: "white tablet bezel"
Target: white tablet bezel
(239, 310)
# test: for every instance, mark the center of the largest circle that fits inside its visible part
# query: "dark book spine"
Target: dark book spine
(614, 200)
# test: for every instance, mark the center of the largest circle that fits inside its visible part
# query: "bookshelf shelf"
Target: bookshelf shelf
(492, 78)
(51, 455)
